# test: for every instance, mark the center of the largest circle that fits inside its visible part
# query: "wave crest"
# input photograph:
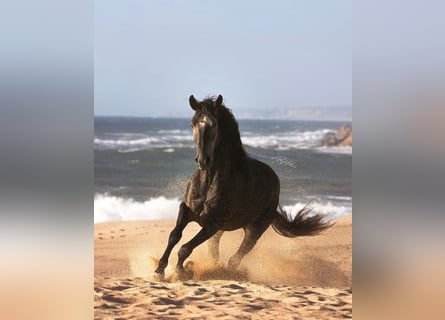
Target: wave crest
(332, 211)
(171, 139)
(110, 208)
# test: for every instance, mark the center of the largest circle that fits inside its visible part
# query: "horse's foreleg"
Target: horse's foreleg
(214, 246)
(187, 249)
(175, 236)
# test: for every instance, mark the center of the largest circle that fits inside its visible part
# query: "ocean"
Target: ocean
(142, 165)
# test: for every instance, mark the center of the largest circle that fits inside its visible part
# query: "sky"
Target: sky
(262, 56)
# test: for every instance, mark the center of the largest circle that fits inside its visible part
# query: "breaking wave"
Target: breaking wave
(111, 208)
(332, 210)
(173, 139)
(285, 141)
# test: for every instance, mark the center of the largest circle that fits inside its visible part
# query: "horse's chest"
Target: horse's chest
(196, 193)
(202, 195)
(195, 201)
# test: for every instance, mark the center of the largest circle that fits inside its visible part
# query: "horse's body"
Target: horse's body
(230, 191)
(234, 197)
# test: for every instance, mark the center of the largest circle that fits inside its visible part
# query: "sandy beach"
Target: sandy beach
(282, 278)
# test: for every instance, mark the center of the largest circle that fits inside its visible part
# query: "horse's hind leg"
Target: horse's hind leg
(251, 235)
(175, 236)
(214, 246)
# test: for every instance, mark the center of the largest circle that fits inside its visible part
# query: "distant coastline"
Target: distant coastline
(349, 121)
(334, 114)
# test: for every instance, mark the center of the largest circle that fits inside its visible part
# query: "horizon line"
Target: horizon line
(237, 118)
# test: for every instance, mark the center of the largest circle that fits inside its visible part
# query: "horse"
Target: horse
(229, 191)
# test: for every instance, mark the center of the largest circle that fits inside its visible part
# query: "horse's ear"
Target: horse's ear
(218, 101)
(193, 103)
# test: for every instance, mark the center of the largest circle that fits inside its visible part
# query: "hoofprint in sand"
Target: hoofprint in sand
(282, 278)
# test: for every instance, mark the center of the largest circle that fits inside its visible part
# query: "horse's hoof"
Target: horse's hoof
(159, 276)
(184, 274)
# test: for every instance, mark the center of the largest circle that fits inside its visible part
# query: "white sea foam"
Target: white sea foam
(109, 208)
(340, 198)
(174, 131)
(333, 211)
(127, 142)
(285, 141)
(337, 149)
(171, 139)
(132, 145)
(124, 150)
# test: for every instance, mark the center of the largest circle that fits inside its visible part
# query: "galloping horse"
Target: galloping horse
(230, 191)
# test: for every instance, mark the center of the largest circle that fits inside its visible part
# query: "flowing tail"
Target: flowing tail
(301, 225)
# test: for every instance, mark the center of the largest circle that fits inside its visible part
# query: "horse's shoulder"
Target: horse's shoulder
(195, 194)
(260, 170)
(193, 185)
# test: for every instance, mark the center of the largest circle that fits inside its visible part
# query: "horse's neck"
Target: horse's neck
(226, 166)
(226, 154)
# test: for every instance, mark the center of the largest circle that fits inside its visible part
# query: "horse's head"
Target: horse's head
(205, 129)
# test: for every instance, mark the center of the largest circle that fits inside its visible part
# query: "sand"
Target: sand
(282, 278)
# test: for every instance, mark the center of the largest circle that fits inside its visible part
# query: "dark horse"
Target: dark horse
(230, 191)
